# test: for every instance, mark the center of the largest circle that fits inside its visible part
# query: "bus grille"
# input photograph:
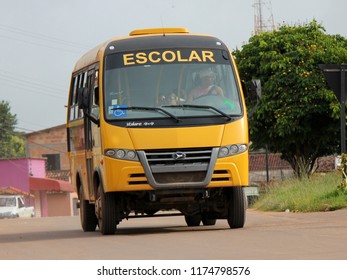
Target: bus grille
(184, 167)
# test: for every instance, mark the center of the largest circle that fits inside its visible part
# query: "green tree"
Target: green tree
(297, 115)
(11, 143)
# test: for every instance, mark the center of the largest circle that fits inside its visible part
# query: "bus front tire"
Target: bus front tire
(106, 211)
(87, 213)
(237, 207)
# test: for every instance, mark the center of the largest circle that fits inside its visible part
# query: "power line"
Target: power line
(39, 44)
(46, 146)
(22, 129)
(42, 37)
(25, 129)
(34, 90)
(33, 86)
(13, 162)
(31, 80)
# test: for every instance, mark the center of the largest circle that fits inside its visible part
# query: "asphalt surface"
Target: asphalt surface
(266, 236)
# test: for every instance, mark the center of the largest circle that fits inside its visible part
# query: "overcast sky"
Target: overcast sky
(42, 39)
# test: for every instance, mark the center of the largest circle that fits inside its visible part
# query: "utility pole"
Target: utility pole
(263, 17)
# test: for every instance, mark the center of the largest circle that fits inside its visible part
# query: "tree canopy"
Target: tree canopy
(297, 114)
(11, 144)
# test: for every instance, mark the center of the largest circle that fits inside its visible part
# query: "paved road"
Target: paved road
(265, 236)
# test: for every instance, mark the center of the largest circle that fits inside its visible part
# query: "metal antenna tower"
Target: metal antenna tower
(263, 17)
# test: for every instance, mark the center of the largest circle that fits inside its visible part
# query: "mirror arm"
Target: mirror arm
(92, 118)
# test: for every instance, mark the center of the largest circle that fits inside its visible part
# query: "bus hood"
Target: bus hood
(165, 138)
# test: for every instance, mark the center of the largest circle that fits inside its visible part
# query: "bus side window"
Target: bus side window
(78, 81)
(82, 83)
(72, 103)
(94, 92)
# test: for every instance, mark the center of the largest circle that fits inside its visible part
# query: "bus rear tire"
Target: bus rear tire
(106, 211)
(207, 221)
(87, 213)
(237, 207)
(193, 220)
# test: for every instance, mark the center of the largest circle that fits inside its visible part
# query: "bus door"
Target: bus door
(90, 127)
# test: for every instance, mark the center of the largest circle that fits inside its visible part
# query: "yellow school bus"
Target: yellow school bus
(157, 125)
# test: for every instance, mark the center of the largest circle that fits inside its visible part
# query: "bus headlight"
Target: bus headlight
(223, 152)
(131, 155)
(120, 154)
(231, 150)
(123, 154)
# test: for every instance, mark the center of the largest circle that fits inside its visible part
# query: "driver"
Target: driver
(206, 86)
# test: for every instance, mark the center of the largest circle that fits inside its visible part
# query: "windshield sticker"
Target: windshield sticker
(119, 111)
(228, 103)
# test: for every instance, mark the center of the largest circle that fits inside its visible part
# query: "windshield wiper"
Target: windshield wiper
(201, 107)
(156, 109)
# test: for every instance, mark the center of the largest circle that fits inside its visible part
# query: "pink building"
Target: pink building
(51, 197)
(16, 172)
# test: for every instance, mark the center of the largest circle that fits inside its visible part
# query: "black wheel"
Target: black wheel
(237, 207)
(207, 221)
(87, 213)
(193, 220)
(151, 212)
(105, 208)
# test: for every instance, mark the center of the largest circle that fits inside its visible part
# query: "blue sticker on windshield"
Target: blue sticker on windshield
(120, 111)
(229, 105)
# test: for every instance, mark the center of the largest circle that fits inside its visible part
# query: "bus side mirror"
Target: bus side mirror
(83, 98)
(255, 90)
(244, 89)
(253, 95)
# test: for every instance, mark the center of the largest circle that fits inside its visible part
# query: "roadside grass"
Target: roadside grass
(319, 193)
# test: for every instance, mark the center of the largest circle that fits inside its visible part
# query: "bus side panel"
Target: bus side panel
(77, 156)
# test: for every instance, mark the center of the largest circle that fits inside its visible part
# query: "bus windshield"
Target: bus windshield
(162, 83)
